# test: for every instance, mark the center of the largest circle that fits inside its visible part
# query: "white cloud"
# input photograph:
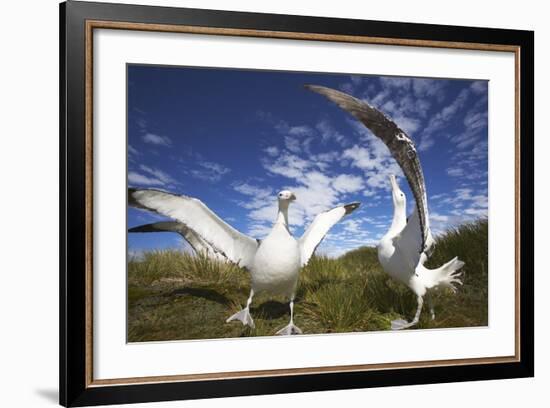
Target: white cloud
(326, 156)
(293, 144)
(300, 130)
(479, 87)
(272, 151)
(455, 171)
(210, 171)
(425, 143)
(435, 217)
(150, 176)
(142, 123)
(353, 226)
(250, 190)
(141, 180)
(377, 168)
(396, 82)
(288, 165)
(475, 120)
(258, 230)
(360, 157)
(477, 212)
(347, 183)
(267, 213)
(438, 122)
(132, 151)
(328, 132)
(380, 97)
(408, 124)
(158, 174)
(465, 140)
(424, 87)
(157, 139)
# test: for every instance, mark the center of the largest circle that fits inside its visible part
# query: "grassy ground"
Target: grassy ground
(174, 296)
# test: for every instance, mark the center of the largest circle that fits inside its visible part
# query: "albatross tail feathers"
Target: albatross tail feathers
(448, 275)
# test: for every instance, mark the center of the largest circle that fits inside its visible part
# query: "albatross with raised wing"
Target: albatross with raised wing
(407, 244)
(274, 263)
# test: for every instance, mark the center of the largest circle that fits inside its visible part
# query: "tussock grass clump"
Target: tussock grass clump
(470, 243)
(469, 307)
(319, 272)
(339, 308)
(181, 266)
(174, 295)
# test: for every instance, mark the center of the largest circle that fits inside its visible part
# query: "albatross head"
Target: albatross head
(399, 199)
(286, 196)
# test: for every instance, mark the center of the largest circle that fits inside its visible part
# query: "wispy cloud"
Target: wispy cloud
(457, 207)
(158, 174)
(347, 183)
(158, 140)
(150, 176)
(141, 180)
(132, 151)
(209, 171)
(442, 118)
(328, 132)
(272, 151)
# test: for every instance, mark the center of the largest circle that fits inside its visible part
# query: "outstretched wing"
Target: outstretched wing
(409, 241)
(195, 241)
(400, 144)
(322, 223)
(191, 212)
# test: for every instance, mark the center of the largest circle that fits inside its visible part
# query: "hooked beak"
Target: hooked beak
(293, 197)
(393, 182)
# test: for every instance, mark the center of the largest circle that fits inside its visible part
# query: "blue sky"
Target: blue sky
(234, 138)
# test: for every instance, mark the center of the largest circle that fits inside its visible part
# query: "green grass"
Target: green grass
(175, 296)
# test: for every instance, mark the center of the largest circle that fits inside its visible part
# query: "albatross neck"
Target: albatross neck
(399, 220)
(282, 215)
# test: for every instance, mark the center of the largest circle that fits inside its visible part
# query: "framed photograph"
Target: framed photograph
(256, 204)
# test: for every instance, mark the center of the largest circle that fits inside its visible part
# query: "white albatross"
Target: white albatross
(398, 255)
(274, 263)
(405, 248)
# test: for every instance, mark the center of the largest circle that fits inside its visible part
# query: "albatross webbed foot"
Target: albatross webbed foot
(289, 330)
(244, 317)
(401, 324)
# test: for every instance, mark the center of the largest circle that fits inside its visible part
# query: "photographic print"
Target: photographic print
(265, 203)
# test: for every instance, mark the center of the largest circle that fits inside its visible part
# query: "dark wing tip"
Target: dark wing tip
(131, 199)
(351, 207)
(132, 202)
(143, 228)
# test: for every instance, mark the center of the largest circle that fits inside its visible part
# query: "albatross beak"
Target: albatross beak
(293, 197)
(393, 182)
